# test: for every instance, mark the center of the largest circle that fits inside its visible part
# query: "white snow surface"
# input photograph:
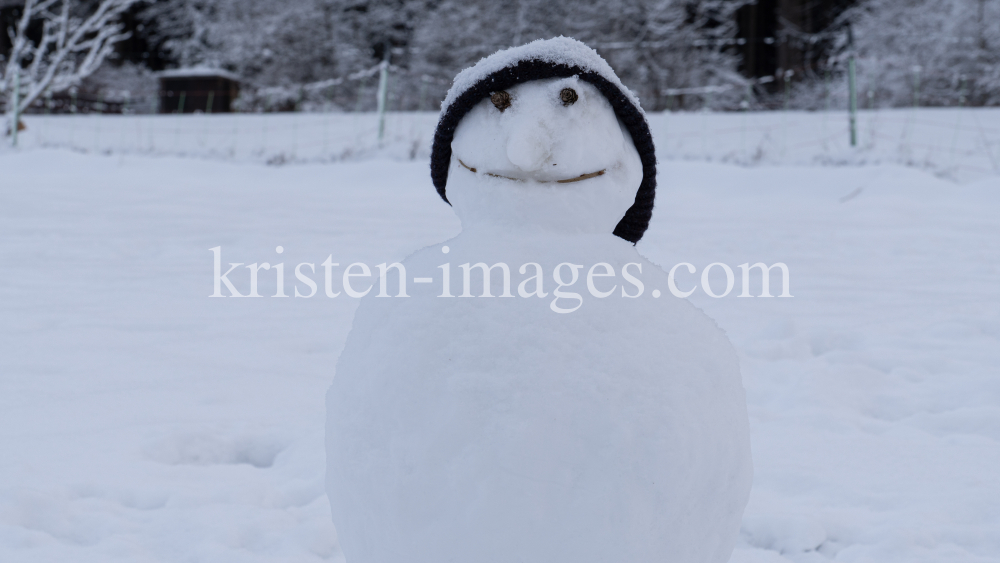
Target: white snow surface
(540, 427)
(557, 50)
(142, 421)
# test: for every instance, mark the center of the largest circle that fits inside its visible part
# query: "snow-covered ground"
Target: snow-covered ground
(141, 420)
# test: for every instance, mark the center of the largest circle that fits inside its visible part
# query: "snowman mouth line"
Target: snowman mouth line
(566, 181)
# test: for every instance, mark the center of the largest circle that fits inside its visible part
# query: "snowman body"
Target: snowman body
(498, 429)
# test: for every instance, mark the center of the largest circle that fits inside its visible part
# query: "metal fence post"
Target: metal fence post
(383, 93)
(852, 86)
(853, 109)
(17, 103)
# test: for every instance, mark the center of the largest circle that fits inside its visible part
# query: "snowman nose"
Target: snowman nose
(529, 146)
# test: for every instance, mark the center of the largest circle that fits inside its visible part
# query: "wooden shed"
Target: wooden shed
(197, 90)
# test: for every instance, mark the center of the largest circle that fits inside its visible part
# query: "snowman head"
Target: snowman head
(545, 136)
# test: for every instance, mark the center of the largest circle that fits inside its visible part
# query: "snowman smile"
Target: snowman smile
(565, 181)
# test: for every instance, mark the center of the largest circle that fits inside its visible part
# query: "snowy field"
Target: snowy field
(142, 421)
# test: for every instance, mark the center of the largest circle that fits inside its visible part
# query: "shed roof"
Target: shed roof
(198, 72)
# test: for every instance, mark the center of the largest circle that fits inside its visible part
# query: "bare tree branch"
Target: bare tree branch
(70, 48)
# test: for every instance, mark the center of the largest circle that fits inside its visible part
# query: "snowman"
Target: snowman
(545, 406)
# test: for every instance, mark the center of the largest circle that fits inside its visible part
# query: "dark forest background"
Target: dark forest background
(675, 54)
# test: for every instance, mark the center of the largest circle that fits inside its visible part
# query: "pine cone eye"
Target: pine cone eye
(501, 100)
(568, 96)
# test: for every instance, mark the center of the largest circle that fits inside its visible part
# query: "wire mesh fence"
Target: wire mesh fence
(204, 92)
(958, 143)
(410, 90)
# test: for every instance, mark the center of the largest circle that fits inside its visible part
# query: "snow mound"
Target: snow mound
(496, 430)
(198, 449)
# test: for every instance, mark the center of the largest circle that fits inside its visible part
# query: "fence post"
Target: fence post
(383, 93)
(72, 110)
(787, 75)
(826, 89)
(295, 124)
(958, 121)
(125, 111)
(852, 87)
(852, 84)
(17, 103)
(745, 106)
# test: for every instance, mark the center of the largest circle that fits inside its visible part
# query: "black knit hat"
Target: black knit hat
(560, 57)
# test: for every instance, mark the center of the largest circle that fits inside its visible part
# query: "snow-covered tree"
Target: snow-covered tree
(932, 52)
(655, 46)
(182, 28)
(668, 45)
(76, 37)
(279, 46)
(275, 45)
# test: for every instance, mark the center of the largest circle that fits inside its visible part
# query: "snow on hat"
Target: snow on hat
(559, 57)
